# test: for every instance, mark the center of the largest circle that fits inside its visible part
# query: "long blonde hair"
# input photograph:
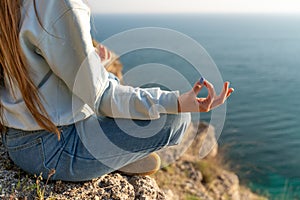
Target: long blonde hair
(14, 68)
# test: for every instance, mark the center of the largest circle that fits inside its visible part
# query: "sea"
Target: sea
(260, 55)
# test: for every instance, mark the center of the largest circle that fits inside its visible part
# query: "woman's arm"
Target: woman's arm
(72, 57)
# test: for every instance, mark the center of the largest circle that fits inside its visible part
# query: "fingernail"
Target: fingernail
(201, 80)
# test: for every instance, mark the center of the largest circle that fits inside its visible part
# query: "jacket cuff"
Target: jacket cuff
(168, 102)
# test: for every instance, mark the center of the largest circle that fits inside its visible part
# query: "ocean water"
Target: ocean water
(260, 56)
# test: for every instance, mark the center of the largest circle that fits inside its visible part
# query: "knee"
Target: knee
(179, 125)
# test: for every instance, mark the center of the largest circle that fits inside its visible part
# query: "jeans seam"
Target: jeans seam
(75, 156)
(21, 133)
(61, 149)
(42, 152)
(25, 146)
(3, 138)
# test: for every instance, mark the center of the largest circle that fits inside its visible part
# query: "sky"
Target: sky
(195, 6)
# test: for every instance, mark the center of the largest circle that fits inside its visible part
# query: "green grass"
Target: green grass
(191, 197)
(40, 190)
(169, 169)
(208, 170)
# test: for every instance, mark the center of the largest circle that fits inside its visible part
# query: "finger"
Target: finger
(222, 97)
(219, 101)
(102, 52)
(230, 90)
(197, 87)
(108, 54)
(201, 80)
(224, 91)
(211, 91)
(105, 52)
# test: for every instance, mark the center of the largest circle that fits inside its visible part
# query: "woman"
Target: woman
(52, 91)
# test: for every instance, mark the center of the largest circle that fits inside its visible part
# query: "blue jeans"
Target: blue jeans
(83, 153)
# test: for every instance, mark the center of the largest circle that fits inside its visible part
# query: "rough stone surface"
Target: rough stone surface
(193, 178)
(225, 186)
(145, 188)
(16, 184)
(187, 178)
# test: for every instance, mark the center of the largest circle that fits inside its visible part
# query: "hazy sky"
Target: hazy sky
(195, 6)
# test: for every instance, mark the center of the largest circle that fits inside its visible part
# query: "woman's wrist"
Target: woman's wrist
(178, 106)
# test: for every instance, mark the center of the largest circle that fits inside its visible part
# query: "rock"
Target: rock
(16, 184)
(146, 188)
(170, 195)
(204, 143)
(225, 186)
(199, 141)
(187, 178)
(115, 186)
(191, 177)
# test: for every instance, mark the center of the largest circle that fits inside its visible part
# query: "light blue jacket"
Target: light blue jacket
(67, 70)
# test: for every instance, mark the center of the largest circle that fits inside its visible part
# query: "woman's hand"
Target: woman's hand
(103, 52)
(189, 102)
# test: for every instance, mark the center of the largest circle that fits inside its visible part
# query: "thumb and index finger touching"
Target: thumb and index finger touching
(210, 88)
(199, 85)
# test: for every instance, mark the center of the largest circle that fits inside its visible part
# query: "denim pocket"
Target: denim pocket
(29, 156)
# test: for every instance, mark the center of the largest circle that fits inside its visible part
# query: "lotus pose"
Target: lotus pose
(62, 110)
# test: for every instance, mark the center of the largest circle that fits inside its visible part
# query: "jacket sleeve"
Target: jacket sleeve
(69, 51)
